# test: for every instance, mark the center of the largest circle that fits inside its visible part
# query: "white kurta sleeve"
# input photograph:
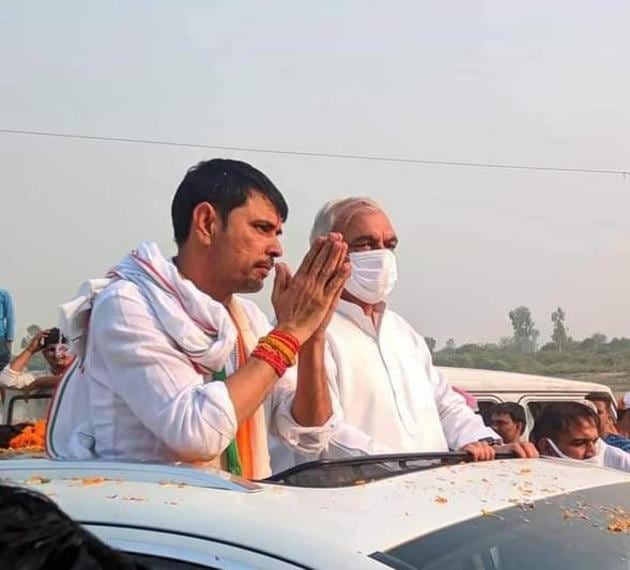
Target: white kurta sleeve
(15, 380)
(350, 441)
(461, 424)
(303, 440)
(306, 440)
(157, 382)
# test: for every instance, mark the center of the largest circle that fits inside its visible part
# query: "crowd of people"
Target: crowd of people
(571, 430)
(166, 361)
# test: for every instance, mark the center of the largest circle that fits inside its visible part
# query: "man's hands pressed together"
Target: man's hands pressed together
(305, 301)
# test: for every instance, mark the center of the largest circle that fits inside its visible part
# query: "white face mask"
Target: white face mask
(597, 459)
(374, 274)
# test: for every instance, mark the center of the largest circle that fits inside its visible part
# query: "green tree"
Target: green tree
(525, 332)
(431, 342)
(559, 335)
(450, 344)
(594, 341)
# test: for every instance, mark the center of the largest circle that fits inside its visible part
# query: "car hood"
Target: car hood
(287, 520)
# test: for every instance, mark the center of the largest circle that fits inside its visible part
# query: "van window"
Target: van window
(536, 407)
(485, 406)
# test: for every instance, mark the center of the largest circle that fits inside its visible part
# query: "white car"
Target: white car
(429, 512)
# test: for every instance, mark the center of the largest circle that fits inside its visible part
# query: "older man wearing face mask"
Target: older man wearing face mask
(380, 373)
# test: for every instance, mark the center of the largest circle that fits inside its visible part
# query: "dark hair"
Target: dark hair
(36, 534)
(512, 409)
(54, 336)
(226, 184)
(600, 397)
(558, 417)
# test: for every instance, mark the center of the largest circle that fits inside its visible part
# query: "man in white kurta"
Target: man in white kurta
(384, 388)
(150, 404)
(166, 368)
(391, 396)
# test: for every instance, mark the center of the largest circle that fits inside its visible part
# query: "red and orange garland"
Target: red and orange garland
(32, 437)
(278, 349)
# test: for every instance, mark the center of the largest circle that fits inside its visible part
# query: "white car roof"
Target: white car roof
(299, 523)
(472, 380)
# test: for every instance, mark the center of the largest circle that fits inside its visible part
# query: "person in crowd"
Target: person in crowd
(381, 377)
(623, 416)
(508, 420)
(35, 534)
(607, 428)
(54, 346)
(570, 430)
(174, 366)
(7, 327)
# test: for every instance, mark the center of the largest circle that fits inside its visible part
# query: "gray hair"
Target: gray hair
(336, 214)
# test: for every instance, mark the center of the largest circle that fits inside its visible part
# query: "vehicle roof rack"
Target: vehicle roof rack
(172, 473)
(329, 473)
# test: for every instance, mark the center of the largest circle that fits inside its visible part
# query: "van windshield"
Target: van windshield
(582, 530)
(27, 408)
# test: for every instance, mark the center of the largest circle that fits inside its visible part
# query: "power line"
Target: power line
(370, 158)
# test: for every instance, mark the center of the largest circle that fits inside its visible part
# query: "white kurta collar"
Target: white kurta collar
(354, 313)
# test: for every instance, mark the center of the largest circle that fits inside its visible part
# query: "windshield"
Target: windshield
(359, 470)
(585, 530)
(29, 408)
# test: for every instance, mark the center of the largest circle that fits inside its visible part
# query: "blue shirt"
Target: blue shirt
(7, 317)
(618, 441)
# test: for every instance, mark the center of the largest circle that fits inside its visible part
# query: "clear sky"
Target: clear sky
(544, 83)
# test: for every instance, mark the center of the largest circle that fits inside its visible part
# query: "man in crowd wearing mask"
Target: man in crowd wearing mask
(54, 347)
(508, 420)
(570, 430)
(607, 429)
(381, 376)
(174, 365)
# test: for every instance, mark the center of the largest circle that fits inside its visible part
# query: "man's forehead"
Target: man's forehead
(368, 222)
(501, 416)
(55, 345)
(580, 425)
(257, 204)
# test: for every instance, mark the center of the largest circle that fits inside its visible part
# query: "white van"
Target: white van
(489, 387)
(532, 392)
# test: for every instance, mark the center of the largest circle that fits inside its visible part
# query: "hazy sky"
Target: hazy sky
(543, 83)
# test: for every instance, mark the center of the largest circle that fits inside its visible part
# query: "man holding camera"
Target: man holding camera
(55, 350)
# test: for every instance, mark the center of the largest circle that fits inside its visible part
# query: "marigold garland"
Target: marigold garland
(33, 437)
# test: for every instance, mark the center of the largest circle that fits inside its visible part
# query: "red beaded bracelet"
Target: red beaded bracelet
(287, 338)
(272, 357)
